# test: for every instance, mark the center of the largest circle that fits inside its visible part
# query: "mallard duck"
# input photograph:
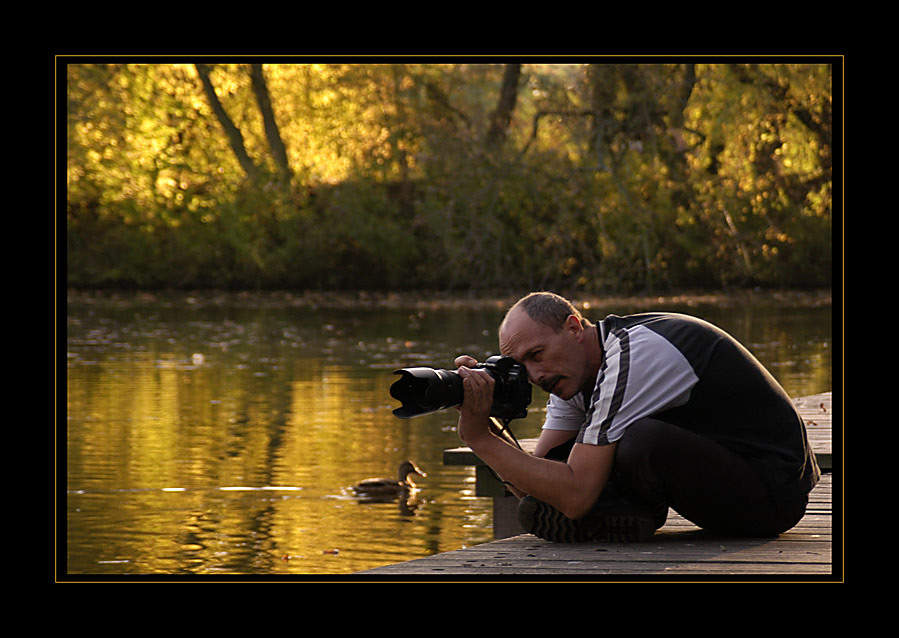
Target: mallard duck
(380, 487)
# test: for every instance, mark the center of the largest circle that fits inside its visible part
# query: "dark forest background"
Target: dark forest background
(603, 176)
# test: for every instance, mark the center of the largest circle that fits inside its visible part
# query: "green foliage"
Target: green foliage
(612, 177)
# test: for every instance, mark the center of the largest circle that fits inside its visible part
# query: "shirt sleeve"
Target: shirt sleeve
(642, 374)
(565, 415)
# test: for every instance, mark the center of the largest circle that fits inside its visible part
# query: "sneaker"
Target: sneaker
(616, 521)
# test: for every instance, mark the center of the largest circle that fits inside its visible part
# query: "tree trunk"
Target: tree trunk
(272, 134)
(235, 139)
(502, 116)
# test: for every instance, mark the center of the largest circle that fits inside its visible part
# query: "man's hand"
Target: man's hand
(477, 400)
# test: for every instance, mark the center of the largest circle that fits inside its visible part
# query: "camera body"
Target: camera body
(426, 390)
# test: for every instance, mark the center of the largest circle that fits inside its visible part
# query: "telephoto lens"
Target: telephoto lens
(425, 390)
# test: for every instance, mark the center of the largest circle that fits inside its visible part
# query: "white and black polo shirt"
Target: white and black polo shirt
(687, 372)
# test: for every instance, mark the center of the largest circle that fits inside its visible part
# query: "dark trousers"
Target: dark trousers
(662, 464)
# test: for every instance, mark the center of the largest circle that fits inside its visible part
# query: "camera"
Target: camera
(426, 390)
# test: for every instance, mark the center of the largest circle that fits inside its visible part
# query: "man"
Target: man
(646, 411)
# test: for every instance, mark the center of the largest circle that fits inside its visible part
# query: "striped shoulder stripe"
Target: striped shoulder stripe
(616, 367)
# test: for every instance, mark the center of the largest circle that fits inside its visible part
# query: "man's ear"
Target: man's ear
(574, 325)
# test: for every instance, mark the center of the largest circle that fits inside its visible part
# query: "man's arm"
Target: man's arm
(571, 487)
(550, 439)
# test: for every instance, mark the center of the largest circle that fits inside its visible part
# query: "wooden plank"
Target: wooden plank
(817, 412)
(679, 549)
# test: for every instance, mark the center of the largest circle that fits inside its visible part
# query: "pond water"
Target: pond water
(218, 434)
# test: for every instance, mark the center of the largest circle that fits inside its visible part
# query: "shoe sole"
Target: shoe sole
(548, 523)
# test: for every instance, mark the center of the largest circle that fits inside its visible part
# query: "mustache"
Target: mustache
(549, 384)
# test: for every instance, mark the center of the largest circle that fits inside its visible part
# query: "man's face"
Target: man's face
(555, 361)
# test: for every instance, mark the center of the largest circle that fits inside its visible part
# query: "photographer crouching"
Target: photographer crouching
(646, 412)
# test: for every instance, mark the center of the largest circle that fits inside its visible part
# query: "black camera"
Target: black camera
(426, 390)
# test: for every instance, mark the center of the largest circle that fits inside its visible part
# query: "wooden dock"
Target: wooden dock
(678, 550)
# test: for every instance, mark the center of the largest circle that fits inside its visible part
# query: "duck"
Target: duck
(388, 487)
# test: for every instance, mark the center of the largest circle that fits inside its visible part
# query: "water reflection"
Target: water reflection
(220, 435)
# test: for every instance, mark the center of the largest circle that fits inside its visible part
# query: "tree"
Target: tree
(235, 137)
(502, 115)
(232, 132)
(272, 134)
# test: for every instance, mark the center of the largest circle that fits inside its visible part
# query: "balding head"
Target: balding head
(546, 308)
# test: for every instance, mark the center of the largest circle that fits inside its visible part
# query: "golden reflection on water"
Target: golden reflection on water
(224, 442)
(175, 468)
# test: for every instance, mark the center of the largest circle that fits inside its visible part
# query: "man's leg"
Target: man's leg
(704, 482)
(618, 515)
